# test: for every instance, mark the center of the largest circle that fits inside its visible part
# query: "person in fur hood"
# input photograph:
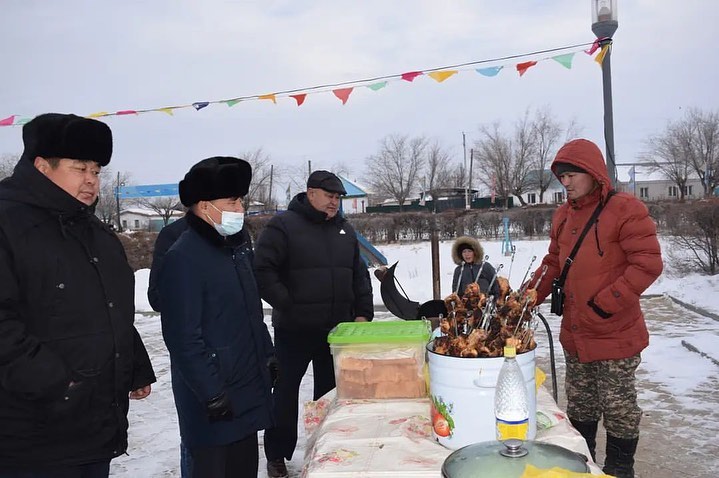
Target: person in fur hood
(468, 254)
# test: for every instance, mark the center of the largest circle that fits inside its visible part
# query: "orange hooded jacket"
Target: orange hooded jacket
(618, 259)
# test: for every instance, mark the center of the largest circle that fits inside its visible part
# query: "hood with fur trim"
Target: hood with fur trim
(471, 242)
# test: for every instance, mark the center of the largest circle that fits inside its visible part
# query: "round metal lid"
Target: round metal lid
(508, 459)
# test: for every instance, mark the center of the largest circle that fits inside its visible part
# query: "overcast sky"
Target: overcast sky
(89, 56)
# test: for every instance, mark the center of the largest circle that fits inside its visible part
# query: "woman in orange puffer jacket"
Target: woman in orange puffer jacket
(603, 330)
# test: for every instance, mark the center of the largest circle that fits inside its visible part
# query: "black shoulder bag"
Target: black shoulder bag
(557, 306)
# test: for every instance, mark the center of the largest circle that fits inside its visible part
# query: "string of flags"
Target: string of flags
(487, 68)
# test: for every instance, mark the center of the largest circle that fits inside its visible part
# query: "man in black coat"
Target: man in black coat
(70, 356)
(308, 268)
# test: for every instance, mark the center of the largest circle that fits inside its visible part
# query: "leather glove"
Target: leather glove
(273, 365)
(219, 408)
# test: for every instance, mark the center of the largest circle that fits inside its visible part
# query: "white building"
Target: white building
(141, 219)
(654, 186)
(356, 200)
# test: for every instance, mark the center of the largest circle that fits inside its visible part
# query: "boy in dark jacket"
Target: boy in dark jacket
(70, 357)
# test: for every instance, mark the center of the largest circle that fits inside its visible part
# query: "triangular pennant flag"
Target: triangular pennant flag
(232, 102)
(99, 114)
(270, 97)
(343, 94)
(411, 75)
(169, 111)
(602, 53)
(125, 112)
(22, 121)
(564, 60)
(491, 71)
(523, 67)
(377, 86)
(440, 76)
(7, 121)
(299, 98)
(200, 104)
(593, 48)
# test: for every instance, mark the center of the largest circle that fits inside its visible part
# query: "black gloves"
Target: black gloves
(220, 408)
(597, 310)
(274, 368)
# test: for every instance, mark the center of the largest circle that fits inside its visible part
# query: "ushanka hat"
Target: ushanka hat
(56, 135)
(215, 178)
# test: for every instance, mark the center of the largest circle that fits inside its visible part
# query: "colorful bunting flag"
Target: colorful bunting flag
(377, 86)
(564, 60)
(523, 67)
(270, 97)
(440, 76)
(602, 53)
(299, 99)
(491, 71)
(410, 76)
(343, 94)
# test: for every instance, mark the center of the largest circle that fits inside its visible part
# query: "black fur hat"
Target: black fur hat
(56, 135)
(215, 178)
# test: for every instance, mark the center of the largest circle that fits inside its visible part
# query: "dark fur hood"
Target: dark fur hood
(471, 242)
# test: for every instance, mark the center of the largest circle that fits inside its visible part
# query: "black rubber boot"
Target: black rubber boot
(589, 432)
(620, 456)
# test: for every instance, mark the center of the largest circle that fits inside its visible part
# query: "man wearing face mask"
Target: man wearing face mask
(309, 269)
(222, 359)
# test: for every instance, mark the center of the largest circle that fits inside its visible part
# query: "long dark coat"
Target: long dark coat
(66, 314)
(212, 323)
(310, 271)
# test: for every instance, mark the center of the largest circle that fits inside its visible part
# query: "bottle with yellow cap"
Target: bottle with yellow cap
(511, 408)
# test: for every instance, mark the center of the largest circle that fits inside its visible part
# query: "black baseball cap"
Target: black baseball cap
(325, 180)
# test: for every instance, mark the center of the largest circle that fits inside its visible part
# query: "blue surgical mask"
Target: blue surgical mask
(231, 222)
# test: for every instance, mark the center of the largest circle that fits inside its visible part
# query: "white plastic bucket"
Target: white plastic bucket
(463, 389)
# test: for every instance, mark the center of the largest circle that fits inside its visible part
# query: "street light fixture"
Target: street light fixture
(604, 25)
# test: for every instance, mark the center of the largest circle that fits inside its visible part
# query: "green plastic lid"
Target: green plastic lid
(395, 331)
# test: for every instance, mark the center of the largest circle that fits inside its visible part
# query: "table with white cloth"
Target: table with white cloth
(393, 438)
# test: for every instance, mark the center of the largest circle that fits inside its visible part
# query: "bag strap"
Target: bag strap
(590, 223)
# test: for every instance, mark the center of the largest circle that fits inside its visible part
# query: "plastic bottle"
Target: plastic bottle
(511, 408)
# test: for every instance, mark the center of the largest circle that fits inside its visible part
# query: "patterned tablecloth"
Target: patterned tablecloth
(393, 438)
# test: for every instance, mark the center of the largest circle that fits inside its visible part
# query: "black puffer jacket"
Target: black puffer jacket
(310, 271)
(66, 314)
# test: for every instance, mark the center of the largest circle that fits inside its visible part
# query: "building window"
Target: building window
(124, 223)
(137, 224)
(532, 198)
(687, 190)
(673, 192)
(559, 197)
(644, 192)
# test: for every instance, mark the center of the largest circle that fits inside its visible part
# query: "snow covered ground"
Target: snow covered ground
(679, 378)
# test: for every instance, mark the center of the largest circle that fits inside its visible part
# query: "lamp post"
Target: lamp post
(604, 24)
(117, 201)
(466, 188)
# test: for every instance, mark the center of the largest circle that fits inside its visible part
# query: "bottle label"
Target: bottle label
(508, 429)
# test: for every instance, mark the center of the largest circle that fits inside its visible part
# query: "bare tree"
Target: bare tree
(666, 153)
(164, 206)
(106, 208)
(7, 164)
(493, 152)
(690, 145)
(522, 151)
(546, 131)
(264, 177)
(438, 174)
(394, 171)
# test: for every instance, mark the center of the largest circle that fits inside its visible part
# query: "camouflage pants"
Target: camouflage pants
(605, 389)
